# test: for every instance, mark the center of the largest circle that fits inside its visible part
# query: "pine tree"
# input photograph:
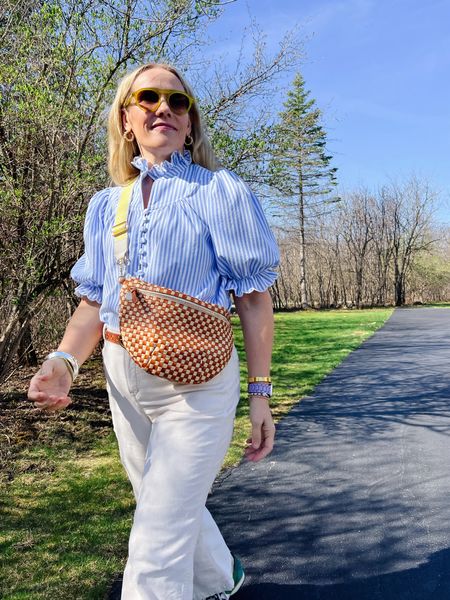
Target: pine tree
(300, 170)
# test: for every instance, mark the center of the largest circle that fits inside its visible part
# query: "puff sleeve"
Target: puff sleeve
(245, 248)
(89, 270)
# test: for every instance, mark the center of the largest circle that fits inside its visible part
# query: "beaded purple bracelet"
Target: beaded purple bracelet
(260, 389)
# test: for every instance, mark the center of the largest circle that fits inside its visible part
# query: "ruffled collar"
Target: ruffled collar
(168, 168)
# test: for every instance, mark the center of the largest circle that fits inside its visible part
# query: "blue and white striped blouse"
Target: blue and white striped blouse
(203, 233)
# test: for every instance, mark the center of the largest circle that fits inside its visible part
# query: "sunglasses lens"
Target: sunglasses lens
(148, 99)
(179, 103)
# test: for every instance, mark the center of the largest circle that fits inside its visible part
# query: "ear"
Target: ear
(125, 121)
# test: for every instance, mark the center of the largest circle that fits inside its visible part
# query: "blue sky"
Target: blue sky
(379, 70)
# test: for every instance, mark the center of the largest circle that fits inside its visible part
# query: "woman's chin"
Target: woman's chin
(159, 150)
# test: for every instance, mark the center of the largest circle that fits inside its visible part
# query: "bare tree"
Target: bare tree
(356, 224)
(410, 206)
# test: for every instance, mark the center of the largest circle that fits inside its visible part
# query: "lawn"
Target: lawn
(66, 504)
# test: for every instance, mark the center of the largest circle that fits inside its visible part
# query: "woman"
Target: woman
(197, 229)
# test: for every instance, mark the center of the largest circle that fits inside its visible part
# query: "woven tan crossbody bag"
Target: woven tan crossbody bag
(168, 333)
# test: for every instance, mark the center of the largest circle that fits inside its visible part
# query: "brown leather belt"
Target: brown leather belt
(115, 338)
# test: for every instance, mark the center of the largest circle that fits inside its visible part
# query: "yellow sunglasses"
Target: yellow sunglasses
(149, 100)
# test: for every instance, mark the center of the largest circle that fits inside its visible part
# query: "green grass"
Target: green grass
(434, 305)
(65, 524)
(67, 511)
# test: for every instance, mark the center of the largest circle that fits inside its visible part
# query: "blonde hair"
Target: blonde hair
(121, 152)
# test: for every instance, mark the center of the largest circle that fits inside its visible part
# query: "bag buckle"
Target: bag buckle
(120, 229)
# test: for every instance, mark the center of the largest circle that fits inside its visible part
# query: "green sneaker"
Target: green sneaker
(238, 578)
(238, 575)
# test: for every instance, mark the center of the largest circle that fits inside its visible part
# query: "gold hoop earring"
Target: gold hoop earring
(189, 141)
(128, 135)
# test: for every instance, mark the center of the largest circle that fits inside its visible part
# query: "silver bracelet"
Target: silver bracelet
(71, 362)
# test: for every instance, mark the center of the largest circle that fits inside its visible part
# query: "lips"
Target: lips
(163, 125)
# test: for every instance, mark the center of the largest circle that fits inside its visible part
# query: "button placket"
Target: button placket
(143, 245)
(145, 227)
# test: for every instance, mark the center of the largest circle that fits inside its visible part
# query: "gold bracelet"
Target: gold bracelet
(259, 380)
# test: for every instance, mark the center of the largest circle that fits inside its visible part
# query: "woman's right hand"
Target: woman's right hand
(50, 386)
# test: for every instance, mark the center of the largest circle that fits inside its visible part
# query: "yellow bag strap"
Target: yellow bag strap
(120, 224)
(120, 229)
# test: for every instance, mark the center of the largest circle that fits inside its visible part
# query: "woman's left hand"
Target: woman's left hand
(263, 429)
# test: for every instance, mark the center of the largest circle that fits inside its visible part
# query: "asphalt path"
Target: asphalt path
(354, 501)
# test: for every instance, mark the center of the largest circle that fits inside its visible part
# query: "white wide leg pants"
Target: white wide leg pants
(172, 440)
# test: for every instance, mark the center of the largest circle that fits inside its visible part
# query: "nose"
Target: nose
(163, 106)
